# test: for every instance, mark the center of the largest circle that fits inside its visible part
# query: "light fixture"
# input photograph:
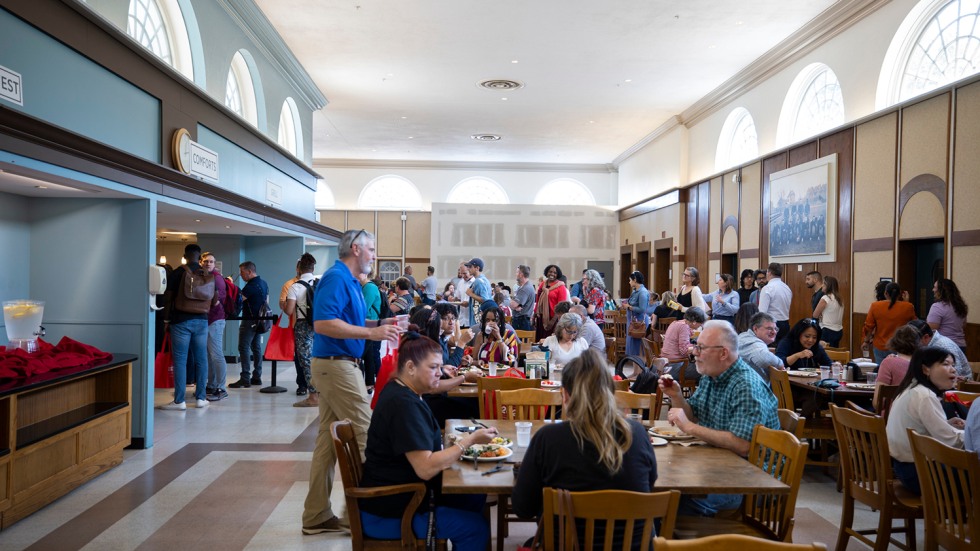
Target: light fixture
(485, 137)
(500, 84)
(163, 259)
(41, 187)
(227, 227)
(503, 99)
(197, 219)
(183, 261)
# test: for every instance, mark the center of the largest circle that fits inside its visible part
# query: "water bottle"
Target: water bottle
(865, 350)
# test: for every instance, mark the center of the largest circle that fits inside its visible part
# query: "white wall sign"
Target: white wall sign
(273, 193)
(11, 88)
(204, 162)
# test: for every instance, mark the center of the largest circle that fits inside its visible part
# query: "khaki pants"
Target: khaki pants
(342, 396)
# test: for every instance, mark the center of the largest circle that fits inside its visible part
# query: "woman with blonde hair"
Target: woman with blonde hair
(595, 448)
(690, 295)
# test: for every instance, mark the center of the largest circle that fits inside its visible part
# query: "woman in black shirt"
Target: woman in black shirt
(404, 445)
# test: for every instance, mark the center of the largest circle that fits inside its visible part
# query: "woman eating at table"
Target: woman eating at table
(884, 317)
(892, 370)
(636, 308)
(801, 347)
(724, 302)
(677, 343)
(551, 291)
(404, 445)
(449, 292)
(565, 345)
(830, 312)
(594, 448)
(499, 340)
(919, 407)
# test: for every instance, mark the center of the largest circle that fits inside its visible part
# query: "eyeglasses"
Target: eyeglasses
(810, 322)
(687, 275)
(701, 348)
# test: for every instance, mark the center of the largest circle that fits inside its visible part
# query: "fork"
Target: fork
(475, 422)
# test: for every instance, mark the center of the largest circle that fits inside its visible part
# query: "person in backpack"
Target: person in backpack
(190, 299)
(255, 295)
(372, 349)
(217, 367)
(299, 303)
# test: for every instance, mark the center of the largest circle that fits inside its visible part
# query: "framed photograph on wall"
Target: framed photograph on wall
(803, 212)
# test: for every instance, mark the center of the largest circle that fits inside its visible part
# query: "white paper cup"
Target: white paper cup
(492, 369)
(523, 429)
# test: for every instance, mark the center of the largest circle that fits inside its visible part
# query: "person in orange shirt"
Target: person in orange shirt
(884, 317)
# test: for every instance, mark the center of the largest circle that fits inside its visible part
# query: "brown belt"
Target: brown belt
(341, 358)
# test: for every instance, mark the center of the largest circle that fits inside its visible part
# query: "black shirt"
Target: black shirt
(745, 294)
(401, 423)
(815, 300)
(554, 459)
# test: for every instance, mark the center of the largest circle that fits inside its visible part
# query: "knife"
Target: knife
(496, 469)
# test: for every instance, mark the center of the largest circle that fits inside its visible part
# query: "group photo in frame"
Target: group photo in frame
(803, 212)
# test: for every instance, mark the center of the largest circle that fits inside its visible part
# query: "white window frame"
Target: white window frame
(242, 75)
(178, 42)
(405, 198)
(478, 190)
(547, 194)
(801, 99)
(739, 125)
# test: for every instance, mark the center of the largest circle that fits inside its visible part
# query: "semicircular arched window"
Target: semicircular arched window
(564, 191)
(813, 104)
(937, 43)
(738, 141)
(158, 25)
(390, 193)
(239, 91)
(290, 128)
(478, 190)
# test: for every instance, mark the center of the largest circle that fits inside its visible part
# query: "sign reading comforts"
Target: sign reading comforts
(204, 162)
(10, 86)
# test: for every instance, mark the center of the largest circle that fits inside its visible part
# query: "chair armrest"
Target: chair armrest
(417, 489)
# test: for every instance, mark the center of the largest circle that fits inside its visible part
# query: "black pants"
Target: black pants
(372, 361)
(783, 327)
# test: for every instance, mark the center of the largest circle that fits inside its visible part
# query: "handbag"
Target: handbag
(637, 329)
(163, 364)
(282, 342)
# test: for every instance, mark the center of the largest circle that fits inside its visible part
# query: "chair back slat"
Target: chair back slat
(528, 404)
(779, 380)
(732, 542)
(649, 405)
(485, 386)
(623, 512)
(950, 481)
(780, 454)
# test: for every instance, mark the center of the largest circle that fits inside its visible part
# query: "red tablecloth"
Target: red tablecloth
(16, 363)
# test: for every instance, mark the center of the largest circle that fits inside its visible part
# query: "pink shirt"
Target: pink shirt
(892, 370)
(677, 340)
(950, 325)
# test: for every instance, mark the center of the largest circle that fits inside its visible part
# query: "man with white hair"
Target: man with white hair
(730, 401)
(590, 331)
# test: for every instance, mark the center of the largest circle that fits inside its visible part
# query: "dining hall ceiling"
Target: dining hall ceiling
(403, 77)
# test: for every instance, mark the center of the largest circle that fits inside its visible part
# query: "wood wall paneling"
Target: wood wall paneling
(875, 178)
(803, 154)
(336, 219)
(715, 214)
(703, 229)
(925, 138)
(772, 164)
(418, 225)
(390, 233)
(841, 143)
(966, 162)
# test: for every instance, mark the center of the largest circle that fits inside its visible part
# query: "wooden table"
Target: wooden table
(692, 470)
(843, 392)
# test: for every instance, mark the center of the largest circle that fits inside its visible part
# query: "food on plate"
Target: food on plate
(667, 431)
(501, 441)
(486, 451)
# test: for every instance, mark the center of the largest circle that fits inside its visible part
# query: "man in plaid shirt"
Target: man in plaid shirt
(730, 401)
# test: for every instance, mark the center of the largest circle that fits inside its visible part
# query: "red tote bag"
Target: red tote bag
(282, 342)
(163, 364)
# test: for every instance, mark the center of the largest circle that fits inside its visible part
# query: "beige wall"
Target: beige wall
(874, 178)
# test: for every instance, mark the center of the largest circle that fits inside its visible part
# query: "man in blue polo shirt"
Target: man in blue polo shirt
(338, 322)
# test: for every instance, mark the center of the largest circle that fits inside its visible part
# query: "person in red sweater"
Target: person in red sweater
(884, 317)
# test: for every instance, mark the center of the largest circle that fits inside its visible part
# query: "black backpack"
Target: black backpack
(310, 291)
(646, 380)
(385, 312)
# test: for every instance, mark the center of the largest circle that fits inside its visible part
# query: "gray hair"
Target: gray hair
(579, 309)
(728, 336)
(525, 270)
(568, 321)
(695, 314)
(760, 318)
(351, 238)
(595, 280)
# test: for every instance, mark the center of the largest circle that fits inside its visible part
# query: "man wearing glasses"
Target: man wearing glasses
(753, 344)
(730, 401)
(338, 322)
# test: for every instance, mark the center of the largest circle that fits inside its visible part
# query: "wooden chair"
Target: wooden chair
(628, 512)
(663, 323)
(884, 396)
(351, 472)
(524, 337)
(651, 349)
(868, 478)
(650, 405)
(966, 396)
(969, 386)
(610, 348)
(486, 386)
(816, 428)
(975, 368)
(791, 422)
(732, 542)
(950, 481)
(623, 385)
(688, 386)
(528, 404)
(842, 356)
(619, 331)
(780, 454)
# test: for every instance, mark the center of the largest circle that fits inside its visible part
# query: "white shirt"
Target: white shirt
(775, 299)
(919, 409)
(833, 314)
(560, 356)
(464, 309)
(298, 293)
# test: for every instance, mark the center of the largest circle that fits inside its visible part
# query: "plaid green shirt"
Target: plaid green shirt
(735, 401)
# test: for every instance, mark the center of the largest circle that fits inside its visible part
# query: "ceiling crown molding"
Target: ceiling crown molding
(668, 125)
(258, 28)
(394, 164)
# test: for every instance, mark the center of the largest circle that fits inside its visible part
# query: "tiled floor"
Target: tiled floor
(234, 476)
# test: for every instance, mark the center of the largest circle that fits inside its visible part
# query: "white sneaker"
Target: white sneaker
(203, 403)
(173, 406)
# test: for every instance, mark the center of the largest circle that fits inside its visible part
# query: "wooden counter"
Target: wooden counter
(60, 429)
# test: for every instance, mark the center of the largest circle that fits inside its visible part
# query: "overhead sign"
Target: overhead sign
(273, 193)
(194, 159)
(11, 88)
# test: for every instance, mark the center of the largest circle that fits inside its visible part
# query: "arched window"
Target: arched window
(239, 91)
(478, 190)
(564, 191)
(323, 199)
(390, 192)
(290, 134)
(937, 43)
(738, 141)
(813, 104)
(158, 25)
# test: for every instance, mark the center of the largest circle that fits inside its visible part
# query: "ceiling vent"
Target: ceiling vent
(486, 137)
(498, 84)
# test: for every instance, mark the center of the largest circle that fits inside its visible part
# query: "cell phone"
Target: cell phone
(465, 429)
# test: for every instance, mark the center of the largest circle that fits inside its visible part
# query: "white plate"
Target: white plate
(550, 384)
(507, 444)
(467, 384)
(509, 453)
(670, 433)
(794, 373)
(657, 441)
(861, 386)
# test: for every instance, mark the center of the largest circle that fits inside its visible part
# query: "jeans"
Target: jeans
(521, 323)
(217, 367)
(880, 355)
(708, 505)
(460, 521)
(907, 475)
(832, 337)
(303, 353)
(187, 335)
(250, 350)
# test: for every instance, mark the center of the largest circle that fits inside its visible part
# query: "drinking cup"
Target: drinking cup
(493, 369)
(825, 372)
(871, 377)
(638, 417)
(523, 433)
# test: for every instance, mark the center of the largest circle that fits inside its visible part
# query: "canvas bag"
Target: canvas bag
(163, 364)
(195, 292)
(282, 342)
